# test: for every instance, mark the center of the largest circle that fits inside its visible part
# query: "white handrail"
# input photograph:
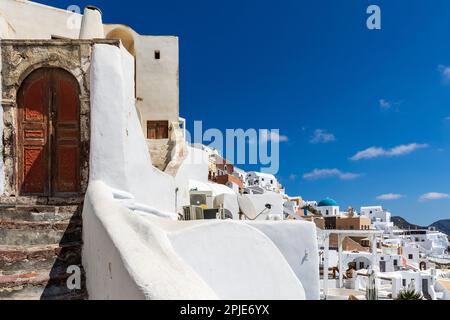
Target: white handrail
(128, 201)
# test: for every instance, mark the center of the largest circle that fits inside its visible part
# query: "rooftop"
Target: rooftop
(328, 202)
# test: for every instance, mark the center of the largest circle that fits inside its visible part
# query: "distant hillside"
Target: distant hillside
(442, 225)
(403, 224)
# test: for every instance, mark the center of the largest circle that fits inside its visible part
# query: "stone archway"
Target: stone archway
(20, 59)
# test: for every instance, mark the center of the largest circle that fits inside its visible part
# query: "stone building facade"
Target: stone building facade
(21, 61)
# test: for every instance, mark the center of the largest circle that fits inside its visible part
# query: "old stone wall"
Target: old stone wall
(19, 58)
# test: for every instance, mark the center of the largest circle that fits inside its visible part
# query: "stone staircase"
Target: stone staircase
(38, 243)
(161, 152)
(169, 154)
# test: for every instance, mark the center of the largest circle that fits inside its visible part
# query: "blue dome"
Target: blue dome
(328, 202)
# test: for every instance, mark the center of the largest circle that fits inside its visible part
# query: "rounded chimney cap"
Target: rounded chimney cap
(91, 7)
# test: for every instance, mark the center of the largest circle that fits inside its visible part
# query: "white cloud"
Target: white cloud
(447, 118)
(445, 72)
(390, 196)
(317, 174)
(434, 196)
(322, 136)
(293, 177)
(375, 152)
(272, 136)
(267, 136)
(384, 104)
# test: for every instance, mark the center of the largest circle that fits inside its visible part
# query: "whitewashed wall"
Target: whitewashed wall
(119, 153)
(30, 20)
(195, 167)
(133, 256)
(157, 79)
(126, 256)
(238, 261)
(296, 241)
(159, 76)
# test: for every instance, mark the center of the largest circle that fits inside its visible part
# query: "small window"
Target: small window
(157, 54)
(157, 129)
(395, 263)
(410, 257)
(404, 282)
(361, 265)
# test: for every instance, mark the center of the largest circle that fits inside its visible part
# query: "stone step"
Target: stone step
(160, 154)
(26, 233)
(13, 258)
(40, 213)
(42, 285)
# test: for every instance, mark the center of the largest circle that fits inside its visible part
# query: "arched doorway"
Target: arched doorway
(49, 134)
(423, 266)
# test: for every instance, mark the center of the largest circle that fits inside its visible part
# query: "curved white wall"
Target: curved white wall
(119, 153)
(128, 255)
(297, 242)
(238, 262)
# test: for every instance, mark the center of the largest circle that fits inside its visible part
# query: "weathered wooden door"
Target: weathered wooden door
(157, 129)
(49, 134)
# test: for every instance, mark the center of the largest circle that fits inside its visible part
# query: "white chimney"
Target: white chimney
(92, 24)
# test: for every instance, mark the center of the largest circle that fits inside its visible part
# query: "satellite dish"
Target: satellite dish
(246, 206)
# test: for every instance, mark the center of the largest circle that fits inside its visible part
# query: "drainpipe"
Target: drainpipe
(92, 25)
(176, 199)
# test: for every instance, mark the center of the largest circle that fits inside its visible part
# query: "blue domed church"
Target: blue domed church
(328, 208)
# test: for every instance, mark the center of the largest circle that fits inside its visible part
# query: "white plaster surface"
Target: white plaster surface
(30, 20)
(127, 256)
(158, 79)
(4, 27)
(119, 153)
(238, 261)
(195, 166)
(131, 256)
(293, 239)
(92, 25)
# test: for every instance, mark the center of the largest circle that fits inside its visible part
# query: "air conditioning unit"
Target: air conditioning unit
(193, 213)
(199, 198)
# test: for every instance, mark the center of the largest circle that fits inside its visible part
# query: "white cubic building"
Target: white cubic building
(328, 208)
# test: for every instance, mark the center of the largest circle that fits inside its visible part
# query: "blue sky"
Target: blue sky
(304, 66)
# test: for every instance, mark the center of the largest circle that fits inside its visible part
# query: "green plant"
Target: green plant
(409, 294)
